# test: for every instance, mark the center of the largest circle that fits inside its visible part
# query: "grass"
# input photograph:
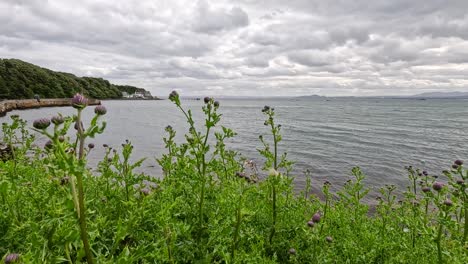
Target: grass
(211, 205)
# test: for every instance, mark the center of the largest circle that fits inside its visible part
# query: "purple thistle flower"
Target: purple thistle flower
(41, 123)
(48, 145)
(311, 223)
(458, 162)
(79, 101)
(426, 189)
(316, 217)
(57, 120)
(448, 202)
(437, 186)
(173, 95)
(12, 258)
(329, 239)
(100, 110)
(292, 251)
(206, 100)
(91, 145)
(425, 173)
(105, 145)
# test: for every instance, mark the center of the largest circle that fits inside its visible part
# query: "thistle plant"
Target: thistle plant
(74, 162)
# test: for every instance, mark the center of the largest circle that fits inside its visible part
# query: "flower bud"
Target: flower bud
(216, 104)
(458, 162)
(329, 239)
(41, 123)
(316, 217)
(292, 251)
(173, 95)
(426, 189)
(61, 138)
(12, 258)
(448, 202)
(91, 145)
(48, 145)
(437, 186)
(310, 223)
(455, 166)
(57, 120)
(206, 100)
(425, 173)
(79, 101)
(100, 110)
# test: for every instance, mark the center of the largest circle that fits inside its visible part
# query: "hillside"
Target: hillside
(21, 80)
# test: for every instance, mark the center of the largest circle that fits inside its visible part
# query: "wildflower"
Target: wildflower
(292, 251)
(425, 173)
(173, 95)
(455, 166)
(105, 145)
(41, 123)
(100, 110)
(448, 202)
(329, 239)
(426, 189)
(91, 145)
(216, 104)
(61, 138)
(266, 108)
(316, 217)
(79, 101)
(12, 258)
(458, 162)
(206, 100)
(48, 145)
(437, 186)
(311, 223)
(57, 120)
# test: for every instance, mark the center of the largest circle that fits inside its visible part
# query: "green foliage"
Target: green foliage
(213, 206)
(22, 80)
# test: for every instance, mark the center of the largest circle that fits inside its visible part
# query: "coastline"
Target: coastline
(9, 105)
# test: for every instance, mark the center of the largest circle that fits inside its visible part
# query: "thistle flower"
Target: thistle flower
(57, 120)
(316, 217)
(437, 186)
(48, 145)
(426, 189)
(216, 104)
(448, 202)
(311, 223)
(61, 138)
(41, 123)
(455, 166)
(12, 258)
(425, 173)
(91, 145)
(329, 239)
(265, 109)
(79, 101)
(173, 95)
(105, 145)
(327, 183)
(458, 162)
(206, 100)
(100, 110)
(292, 251)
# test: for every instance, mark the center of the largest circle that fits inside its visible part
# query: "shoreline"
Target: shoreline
(23, 104)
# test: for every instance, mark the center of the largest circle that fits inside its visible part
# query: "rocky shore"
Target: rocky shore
(9, 105)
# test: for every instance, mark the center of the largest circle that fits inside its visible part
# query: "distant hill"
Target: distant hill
(21, 80)
(442, 95)
(314, 96)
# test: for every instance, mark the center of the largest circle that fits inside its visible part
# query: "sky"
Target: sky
(247, 47)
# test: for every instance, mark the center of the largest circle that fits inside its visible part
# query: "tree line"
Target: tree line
(23, 80)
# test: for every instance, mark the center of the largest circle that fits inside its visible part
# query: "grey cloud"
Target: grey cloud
(211, 20)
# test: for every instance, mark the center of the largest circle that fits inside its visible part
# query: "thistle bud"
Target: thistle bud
(458, 162)
(460, 182)
(61, 138)
(455, 166)
(448, 202)
(437, 186)
(292, 251)
(48, 145)
(426, 189)
(216, 104)
(316, 217)
(91, 145)
(12, 258)
(100, 110)
(206, 100)
(145, 191)
(79, 101)
(57, 120)
(329, 239)
(173, 95)
(425, 173)
(41, 123)
(311, 223)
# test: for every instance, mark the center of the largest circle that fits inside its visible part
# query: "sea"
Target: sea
(326, 136)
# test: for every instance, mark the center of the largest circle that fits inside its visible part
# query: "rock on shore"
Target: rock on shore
(8, 105)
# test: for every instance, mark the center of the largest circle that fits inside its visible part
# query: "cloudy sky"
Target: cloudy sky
(247, 47)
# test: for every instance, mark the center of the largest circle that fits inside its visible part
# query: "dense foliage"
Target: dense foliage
(22, 80)
(211, 205)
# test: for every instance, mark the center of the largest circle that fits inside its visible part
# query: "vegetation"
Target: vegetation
(211, 205)
(22, 80)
